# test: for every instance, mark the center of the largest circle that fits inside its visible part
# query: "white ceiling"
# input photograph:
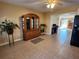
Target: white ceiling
(40, 5)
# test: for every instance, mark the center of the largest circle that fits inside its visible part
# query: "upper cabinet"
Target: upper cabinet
(31, 21)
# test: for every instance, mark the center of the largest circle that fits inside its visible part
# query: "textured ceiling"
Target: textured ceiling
(40, 5)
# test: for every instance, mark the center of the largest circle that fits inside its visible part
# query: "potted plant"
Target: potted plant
(8, 27)
(42, 26)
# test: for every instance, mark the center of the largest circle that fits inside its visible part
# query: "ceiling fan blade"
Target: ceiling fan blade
(67, 2)
(32, 2)
(35, 3)
(70, 1)
(59, 4)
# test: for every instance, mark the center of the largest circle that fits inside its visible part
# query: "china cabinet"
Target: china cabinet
(30, 26)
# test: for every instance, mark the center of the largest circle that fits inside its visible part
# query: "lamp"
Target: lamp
(50, 4)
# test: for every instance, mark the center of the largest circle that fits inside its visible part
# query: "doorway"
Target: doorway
(64, 23)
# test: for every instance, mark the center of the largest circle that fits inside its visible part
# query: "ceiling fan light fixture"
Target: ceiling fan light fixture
(48, 6)
(52, 5)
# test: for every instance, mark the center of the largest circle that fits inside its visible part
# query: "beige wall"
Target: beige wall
(47, 22)
(12, 13)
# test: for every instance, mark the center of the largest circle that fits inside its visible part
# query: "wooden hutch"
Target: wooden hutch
(30, 26)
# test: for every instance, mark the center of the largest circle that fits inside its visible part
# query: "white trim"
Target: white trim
(70, 29)
(18, 40)
(48, 33)
(2, 44)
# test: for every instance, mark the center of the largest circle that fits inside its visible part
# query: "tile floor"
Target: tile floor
(55, 46)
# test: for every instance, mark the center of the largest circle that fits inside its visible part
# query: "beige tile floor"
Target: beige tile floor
(55, 46)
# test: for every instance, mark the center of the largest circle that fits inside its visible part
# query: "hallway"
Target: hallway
(55, 46)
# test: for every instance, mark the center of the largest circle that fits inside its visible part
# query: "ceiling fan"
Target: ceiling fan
(52, 3)
(34, 2)
(48, 3)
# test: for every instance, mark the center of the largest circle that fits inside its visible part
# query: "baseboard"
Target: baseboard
(2, 44)
(45, 33)
(48, 33)
(70, 29)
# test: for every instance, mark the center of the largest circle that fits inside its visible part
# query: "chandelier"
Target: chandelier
(50, 4)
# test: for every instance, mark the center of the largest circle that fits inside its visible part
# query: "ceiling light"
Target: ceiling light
(50, 4)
